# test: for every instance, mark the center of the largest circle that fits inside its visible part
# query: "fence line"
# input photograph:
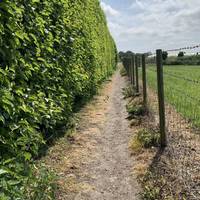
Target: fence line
(185, 48)
(176, 111)
(135, 68)
(133, 74)
(182, 77)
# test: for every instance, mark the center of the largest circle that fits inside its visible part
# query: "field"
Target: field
(182, 89)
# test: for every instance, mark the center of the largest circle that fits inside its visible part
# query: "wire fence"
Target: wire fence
(185, 48)
(172, 96)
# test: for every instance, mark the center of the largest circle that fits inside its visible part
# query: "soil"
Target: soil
(176, 168)
(96, 163)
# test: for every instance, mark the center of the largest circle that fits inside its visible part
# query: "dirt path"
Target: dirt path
(98, 165)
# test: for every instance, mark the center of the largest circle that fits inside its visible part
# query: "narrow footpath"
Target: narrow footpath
(96, 164)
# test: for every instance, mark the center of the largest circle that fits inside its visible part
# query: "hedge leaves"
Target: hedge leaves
(53, 54)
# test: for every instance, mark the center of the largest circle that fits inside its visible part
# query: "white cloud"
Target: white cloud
(140, 31)
(109, 10)
(150, 24)
(139, 3)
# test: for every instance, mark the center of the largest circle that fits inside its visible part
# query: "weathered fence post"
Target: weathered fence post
(129, 62)
(161, 100)
(133, 67)
(136, 73)
(124, 63)
(144, 82)
(128, 69)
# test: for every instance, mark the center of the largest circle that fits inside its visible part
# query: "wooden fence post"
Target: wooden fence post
(136, 73)
(124, 63)
(144, 82)
(129, 68)
(161, 100)
(133, 67)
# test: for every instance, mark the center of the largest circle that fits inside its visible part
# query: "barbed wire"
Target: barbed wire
(177, 90)
(183, 93)
(182, 78)
(151, 54)
(176, 76)
(184, 48)
(182, 117)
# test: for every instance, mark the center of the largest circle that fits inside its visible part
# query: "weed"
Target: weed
(136, 110)
(145, 138)
(135, 145)
(148, 138)
(150, 193)
(129, 92)
(123, 71)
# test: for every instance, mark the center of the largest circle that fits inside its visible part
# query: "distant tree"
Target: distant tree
(121, 55)
(165, 55)
(181, 54)
(148, 53)
(129, 53)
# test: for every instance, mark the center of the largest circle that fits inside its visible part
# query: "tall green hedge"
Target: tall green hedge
(52, 55)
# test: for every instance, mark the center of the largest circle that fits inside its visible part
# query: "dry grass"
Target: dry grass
(135, 146)
(70, 153)
(174, 172)
(142, 156)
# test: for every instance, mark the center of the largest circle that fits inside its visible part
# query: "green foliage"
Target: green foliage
(22, 180)
(181, 54)
(175, 60)
(150, 192)
(164, 55)
(123, 71)
(129, 92)
(136, 110)
(52, 55)
(40, 185)
(121, 55)
(185, 60)
(157, 187)
(148, 138)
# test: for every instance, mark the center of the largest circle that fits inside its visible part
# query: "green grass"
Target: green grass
(182, 89)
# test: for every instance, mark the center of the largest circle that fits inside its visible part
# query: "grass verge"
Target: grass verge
(123, 71)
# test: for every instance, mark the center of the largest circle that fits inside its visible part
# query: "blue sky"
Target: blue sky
(146, 25)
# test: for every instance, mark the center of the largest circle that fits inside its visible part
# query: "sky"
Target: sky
(146, 25)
